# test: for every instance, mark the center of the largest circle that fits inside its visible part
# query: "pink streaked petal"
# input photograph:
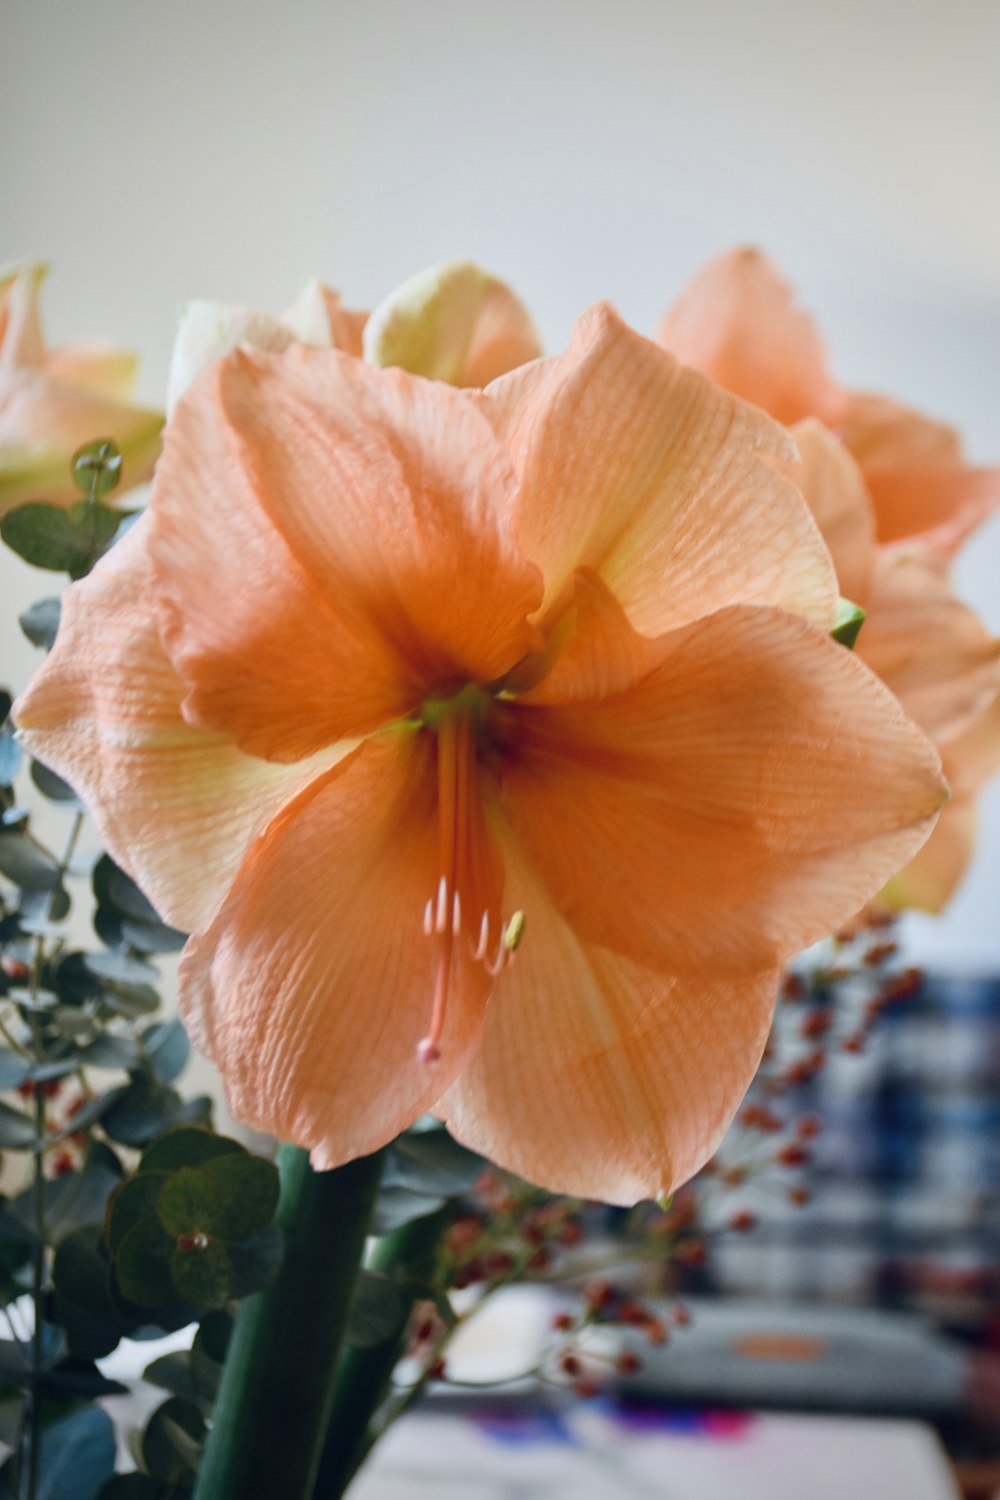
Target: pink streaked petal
(102, 372)
(326, 535)
(738, 321)
(735, 804)
(920, 486)
(21, 342)
(177, 807)
(834, 489)
(597, 1076)
(312, 989)
(43, 422)
(931, 650)
(656, 480)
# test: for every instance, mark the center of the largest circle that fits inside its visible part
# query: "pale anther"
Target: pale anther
(515, 932)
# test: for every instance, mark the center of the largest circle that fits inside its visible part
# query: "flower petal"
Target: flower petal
(43, 422)
(738, 321)
(102, 372)
(934, 874)
(658, 481)
(931, 650)
(834, 489)
(453, 322)
(312, 989)
(21, 342)
(597, 1076)
(932, 877)
(175, 806)
(208, 330)
(318, 317)
(735, 804)
(920, 487)
(330, 547)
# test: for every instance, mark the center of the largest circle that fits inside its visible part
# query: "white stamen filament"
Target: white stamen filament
(442, 905)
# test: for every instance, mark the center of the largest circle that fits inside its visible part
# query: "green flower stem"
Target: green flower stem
(277, 1388)
(364, 1375)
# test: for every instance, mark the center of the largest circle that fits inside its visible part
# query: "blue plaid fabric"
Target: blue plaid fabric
(904, 1177)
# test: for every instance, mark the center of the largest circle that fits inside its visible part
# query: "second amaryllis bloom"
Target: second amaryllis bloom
(52, 401)
(492, 746)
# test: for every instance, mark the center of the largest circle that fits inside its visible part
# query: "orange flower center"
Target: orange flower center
(459, 908)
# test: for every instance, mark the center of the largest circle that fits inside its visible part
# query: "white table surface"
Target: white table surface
(592, 1452)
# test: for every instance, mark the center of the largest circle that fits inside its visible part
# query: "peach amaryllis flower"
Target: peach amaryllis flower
(53, 401)
(739, 322)
(892, 499)
(454, 322)
(393, 679)
(929, 648)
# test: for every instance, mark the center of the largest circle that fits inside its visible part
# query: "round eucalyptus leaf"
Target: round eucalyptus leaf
(168, 1049)
(119, 968)
(97, 467)
(77, 1456)
(80, 1269)
(132, 1201)
(14, 1069)
(171, 1444)
(52, 786)
(72, 980)
(131, 1487)
(142, 1111)
(432, 1161)
(79, 1198)
(142, 1266)
(230, 1197)
(132, 1000)
(151, 937)
(202, 1272)
(63, 541)
(10, 755)
(17, 1130)
(186, 1146)
(40, 622)
(123, 892)
(110, 1051)
(26, 863)
(396, 1206)
(378, 1311)
(173, 1373)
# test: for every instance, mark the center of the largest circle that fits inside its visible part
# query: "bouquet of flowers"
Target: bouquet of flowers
(492, 730)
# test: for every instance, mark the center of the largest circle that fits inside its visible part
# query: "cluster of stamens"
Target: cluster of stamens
(457, 725)
(443, 920)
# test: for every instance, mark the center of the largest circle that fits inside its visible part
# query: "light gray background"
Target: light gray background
(158, 152)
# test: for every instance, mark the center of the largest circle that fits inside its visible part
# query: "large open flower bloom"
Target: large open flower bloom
(892, 498)
(53, 401)
(492, 746)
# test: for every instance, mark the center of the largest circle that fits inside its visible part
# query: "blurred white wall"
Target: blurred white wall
(582, 150)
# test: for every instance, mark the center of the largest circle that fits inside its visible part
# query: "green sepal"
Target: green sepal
(847, 625)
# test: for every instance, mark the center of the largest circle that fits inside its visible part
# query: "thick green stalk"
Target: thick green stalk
(277, 1386)
(364, 1375)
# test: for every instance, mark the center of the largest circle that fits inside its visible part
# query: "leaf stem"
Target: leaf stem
(277, 1387)
(364, 1376)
